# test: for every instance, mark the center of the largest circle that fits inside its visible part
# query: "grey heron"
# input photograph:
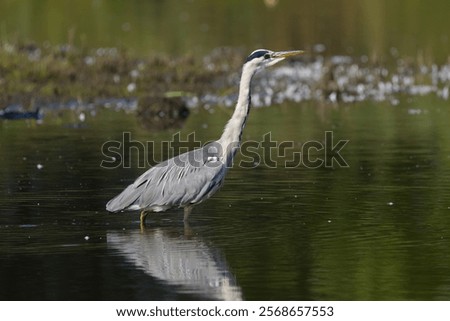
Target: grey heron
(190, 178)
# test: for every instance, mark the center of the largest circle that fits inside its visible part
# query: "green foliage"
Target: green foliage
(30, 74)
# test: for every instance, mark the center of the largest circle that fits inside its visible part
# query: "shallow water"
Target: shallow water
(377, 229)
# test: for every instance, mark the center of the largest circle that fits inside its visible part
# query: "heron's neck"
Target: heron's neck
(232, 133)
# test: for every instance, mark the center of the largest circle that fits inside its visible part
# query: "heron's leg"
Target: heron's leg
(187, 230)
(187, 211)
(144, 214)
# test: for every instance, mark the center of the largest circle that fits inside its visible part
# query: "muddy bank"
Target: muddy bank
(37, 79)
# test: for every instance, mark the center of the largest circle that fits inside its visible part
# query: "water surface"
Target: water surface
(377, 229)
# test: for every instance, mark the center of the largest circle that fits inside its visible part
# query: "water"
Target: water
(377, 229)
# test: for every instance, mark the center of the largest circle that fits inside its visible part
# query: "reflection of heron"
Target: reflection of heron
(193, 177)
(188, 263)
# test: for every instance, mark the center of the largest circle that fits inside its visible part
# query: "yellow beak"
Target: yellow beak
(284, 54)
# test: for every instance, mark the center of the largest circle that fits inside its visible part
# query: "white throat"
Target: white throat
(231, 137)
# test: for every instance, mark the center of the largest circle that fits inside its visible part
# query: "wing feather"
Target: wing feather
(188, 178)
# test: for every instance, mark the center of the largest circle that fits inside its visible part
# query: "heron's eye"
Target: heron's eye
(266, 56)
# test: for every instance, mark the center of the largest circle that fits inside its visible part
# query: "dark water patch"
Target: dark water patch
(375, 230)
(16, 112)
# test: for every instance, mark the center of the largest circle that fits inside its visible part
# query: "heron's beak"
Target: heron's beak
(285, 54)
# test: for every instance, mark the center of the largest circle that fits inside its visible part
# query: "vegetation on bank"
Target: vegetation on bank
(31, 74)
(34, 76)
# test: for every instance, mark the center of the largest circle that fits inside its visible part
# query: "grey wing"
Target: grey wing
(186, 179)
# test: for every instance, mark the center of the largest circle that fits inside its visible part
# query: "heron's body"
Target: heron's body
(192, 177)
(173, 183)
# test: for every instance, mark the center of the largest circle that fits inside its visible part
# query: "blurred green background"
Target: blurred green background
(354, 27)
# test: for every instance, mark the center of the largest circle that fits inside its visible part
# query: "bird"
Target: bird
(192, 177)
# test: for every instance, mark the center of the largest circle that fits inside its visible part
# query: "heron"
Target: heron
(192, 177)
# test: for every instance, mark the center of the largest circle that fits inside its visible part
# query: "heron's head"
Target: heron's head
(261, 58)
